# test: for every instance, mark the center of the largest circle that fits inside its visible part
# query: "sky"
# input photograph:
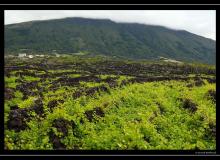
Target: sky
(200, 22)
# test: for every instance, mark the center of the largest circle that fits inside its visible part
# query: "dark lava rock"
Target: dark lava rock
(56, 141)
(52, 104)
(91, 91)
(14, 107)
(19, 116)
(210, 132)
(61, 101)
(211, 80)
(9, 93)
(26, 89)
(123, 83)
(212, 128)
(38, 107)
(61, 125)
(99, 112)
(77, 94)
(188, 104)
(103, 88)
(189, 85)
(212, 95)
(198, 82)
(17, 119)
(91, 113)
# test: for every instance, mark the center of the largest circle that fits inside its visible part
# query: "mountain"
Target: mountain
(103, 36)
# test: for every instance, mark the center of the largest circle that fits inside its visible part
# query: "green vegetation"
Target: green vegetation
(79, 103)
(29, 78)
(11, 82)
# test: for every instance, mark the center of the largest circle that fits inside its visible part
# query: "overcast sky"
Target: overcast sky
(201, 22)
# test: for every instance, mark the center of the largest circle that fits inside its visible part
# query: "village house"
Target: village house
(20, 55)
(30, 56)
(57, 55)
(39, 55)
(170, 60)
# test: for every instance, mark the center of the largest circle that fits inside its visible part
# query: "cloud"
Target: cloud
(201, 22)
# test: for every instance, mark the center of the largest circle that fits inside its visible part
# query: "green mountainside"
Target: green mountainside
(105, 37)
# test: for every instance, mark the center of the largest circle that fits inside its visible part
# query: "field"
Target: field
(82, 103)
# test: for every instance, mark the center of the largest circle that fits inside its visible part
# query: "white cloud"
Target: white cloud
(201, 22)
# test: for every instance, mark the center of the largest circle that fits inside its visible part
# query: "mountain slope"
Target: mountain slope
(130, 40)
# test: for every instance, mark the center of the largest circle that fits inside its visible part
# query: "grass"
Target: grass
(10, 82)
(127, 118)
(30, 79)
(158, 115)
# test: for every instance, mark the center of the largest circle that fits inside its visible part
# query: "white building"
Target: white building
(57, 55)
(39, 55)
(30, 56)
(22, 55)
(170, 60)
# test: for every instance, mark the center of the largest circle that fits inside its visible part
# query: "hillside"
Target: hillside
(93, 36)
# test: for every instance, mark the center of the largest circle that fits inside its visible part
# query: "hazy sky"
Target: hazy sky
(201, 22)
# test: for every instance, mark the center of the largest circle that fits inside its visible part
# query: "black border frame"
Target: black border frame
(104, 152)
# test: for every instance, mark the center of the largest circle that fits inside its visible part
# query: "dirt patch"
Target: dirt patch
(93, 90)
(62, 125)
(212, 129)
(52, 104)
(77, 94)
(17, 119)
(61, 74)
(210, 132)
(91, 113)
(158, 78)
(190, 85)
(111, 81)
(113, 84)
(123, 83)
(14, 107)
(198, 82)
(99, 112)
(56, 141)
(26, 89)
(66, 81)
(89, 91)
(188, 104)
(147, 139)
(9, 93)
(103, 88)
(25, 73)
(211, 80)
(38, 107)
(212, 95)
